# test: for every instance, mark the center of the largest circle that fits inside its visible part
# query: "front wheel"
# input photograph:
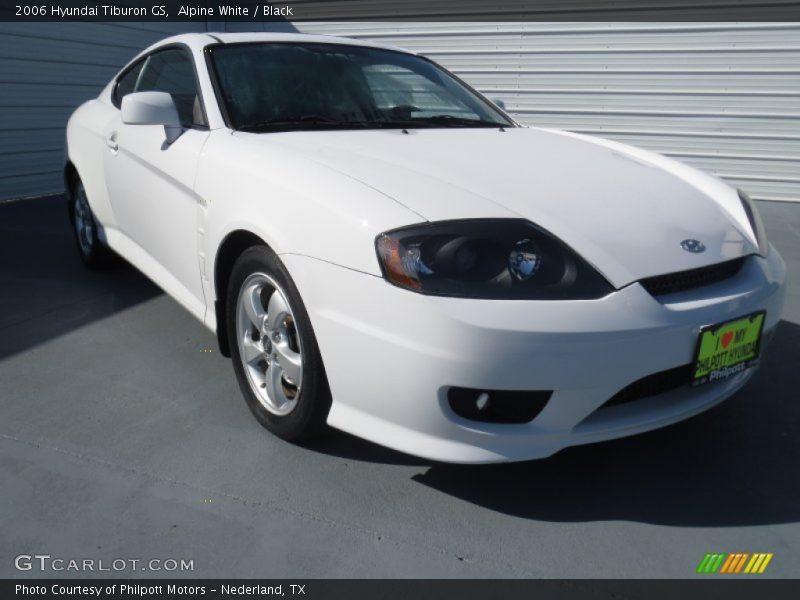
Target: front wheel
(274, 351)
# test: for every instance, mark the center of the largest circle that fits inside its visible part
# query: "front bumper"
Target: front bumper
(391, 355)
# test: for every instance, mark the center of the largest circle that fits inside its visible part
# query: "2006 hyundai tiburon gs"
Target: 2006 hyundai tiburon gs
(380, 248)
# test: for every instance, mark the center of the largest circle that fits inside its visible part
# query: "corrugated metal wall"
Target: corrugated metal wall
(722, 97)
(46, 70)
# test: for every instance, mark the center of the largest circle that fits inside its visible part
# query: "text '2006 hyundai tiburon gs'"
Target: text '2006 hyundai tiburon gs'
(381, 249)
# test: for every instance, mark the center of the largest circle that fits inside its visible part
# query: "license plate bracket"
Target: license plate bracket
(727, 348)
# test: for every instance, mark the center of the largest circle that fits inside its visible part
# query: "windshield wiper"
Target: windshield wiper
(302, 122)
(323, 122)
(453, 121)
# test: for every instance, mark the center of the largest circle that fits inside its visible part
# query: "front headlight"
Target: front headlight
(487, 258)
(755, 222)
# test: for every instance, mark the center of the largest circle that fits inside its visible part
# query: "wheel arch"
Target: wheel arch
(71, 178)
(231, 247)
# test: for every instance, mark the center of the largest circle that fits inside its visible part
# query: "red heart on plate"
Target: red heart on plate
(726, 339)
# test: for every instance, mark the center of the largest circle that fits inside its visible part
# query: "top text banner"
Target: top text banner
(399, 10)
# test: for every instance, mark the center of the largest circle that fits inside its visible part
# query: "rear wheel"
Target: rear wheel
(275, 354)
(92, 251)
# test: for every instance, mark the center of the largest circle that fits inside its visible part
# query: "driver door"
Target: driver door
(151, 183)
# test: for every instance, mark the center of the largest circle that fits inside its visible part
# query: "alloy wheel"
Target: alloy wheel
(269, 346)
(84, 222)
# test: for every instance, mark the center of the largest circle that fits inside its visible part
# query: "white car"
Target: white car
(381, 249)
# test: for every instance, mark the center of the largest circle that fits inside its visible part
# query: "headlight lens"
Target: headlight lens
(487, 258)
(755, 222)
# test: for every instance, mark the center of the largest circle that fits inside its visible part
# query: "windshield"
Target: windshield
(289, 86)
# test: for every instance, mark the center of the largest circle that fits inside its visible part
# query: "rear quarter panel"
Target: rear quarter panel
(86, 150)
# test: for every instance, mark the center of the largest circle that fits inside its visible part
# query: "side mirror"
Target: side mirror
(501, 104)
(152, 108)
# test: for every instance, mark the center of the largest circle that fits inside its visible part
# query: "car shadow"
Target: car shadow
(46, 289)
(734, 465)
(350, 447)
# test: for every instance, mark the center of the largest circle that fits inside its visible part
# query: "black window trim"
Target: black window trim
(117, 102)
(143, 59)
(223, 107)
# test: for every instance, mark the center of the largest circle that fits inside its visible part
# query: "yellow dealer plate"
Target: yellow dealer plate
(728, 348)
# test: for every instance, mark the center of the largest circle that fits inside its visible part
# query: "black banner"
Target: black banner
(256, 12)
(406, 589)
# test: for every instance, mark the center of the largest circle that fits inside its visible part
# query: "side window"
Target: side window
(127, 83)
(172, 71)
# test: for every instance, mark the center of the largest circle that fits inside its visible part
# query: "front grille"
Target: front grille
(692, 279)
(652, 385)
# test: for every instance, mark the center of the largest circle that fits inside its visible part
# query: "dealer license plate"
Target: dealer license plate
(728, 348)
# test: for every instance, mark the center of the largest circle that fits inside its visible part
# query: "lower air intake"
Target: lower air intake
(652, 385)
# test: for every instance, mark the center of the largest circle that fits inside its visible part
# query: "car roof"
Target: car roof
(198, 41)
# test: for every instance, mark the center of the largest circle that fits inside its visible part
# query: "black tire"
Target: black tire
(307, 418)
(93, 252)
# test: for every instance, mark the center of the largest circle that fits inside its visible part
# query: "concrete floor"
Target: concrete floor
(121, 438)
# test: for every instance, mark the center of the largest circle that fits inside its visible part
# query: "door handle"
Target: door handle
(111, 142)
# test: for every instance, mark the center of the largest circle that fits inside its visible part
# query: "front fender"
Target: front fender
(296, 206)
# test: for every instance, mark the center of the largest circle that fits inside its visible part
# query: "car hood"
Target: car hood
(622, 209)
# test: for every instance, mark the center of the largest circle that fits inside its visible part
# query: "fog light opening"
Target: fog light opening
(497, 406)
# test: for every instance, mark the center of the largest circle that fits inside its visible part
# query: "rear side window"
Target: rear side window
(172, 71)
(127, 83)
